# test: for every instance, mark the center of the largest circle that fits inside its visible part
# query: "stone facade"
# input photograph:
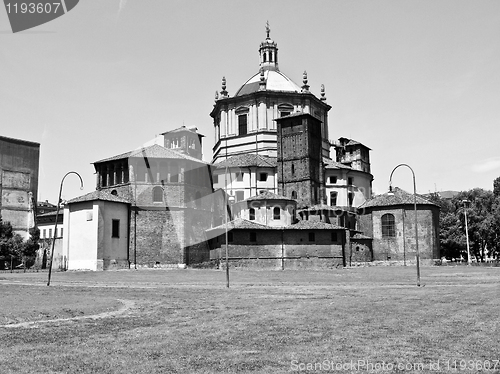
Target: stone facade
(171, 200)
(390, 220)
(19, 163)
(295, 246)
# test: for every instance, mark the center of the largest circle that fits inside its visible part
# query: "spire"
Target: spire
(305, 86)
(268, 52)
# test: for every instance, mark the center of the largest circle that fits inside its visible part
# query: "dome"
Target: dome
(275, 81)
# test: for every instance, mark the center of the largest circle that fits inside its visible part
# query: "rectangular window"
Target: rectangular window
(62, 232)
(216, 178)
(349, 181)
(253, 236)
(115, 228)
(333, 198)
(239, 176)
(312, 237)
(55, 233)
(335, 237)
(240, 196)
(263, 177)
(351, 198)
(50, 233)
(44, 233)
(242, 124)
(333, 179)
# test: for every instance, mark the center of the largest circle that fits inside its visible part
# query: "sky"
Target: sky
(416, 81)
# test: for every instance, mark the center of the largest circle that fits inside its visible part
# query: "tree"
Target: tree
(6, 234)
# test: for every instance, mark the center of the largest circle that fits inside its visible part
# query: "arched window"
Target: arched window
(251, 214)
(157, 194)
(294, 195)
(388, 226)
(265, 57)
(270, 56)
(277, 213)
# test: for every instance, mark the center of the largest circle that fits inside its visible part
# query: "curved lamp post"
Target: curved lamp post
(57, 214)
(466, 202)
(416, 220)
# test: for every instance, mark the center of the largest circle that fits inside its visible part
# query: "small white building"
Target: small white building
(96, 233)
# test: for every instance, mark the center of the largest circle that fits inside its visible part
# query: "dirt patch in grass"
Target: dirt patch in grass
(23, 304)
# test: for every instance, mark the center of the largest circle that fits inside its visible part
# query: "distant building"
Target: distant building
(389, 219)
(161, 199)
(43, 207)
(19, 163)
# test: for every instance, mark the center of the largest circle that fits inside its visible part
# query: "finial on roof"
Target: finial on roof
(268, 29)
(262, 83)
(323, 97)
(223, 93)
(305, 87)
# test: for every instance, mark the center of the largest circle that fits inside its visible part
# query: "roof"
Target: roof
(153, 151)
(317, 207)
(98, 195)
(49, 214)
(183, 129)
(330, 164)
(397, 197)
(275, 81)
(247, 160)
(360, 236)
(241, 223)
(267, 195)
(354, 142)
(313, 225)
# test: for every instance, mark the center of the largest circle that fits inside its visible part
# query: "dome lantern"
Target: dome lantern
(268, 52)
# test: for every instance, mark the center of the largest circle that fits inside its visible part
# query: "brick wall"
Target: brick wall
(278, 249)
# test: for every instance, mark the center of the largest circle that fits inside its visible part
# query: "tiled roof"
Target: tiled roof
(398, 197)
(49, 214)
(267, 195)
(153, 151)
(318, 207)
(360, 236)
(182, 129)
(354, 142)
(247, 160)
(98, 195)
(330, 164)
(313, 225)
(241, 223)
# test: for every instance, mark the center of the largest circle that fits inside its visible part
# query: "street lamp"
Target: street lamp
(57, 214)
(416, 220)
(466, 202)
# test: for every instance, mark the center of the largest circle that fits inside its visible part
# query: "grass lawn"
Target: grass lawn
(186, 321)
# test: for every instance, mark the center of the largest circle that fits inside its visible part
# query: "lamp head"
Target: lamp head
(391, 192)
